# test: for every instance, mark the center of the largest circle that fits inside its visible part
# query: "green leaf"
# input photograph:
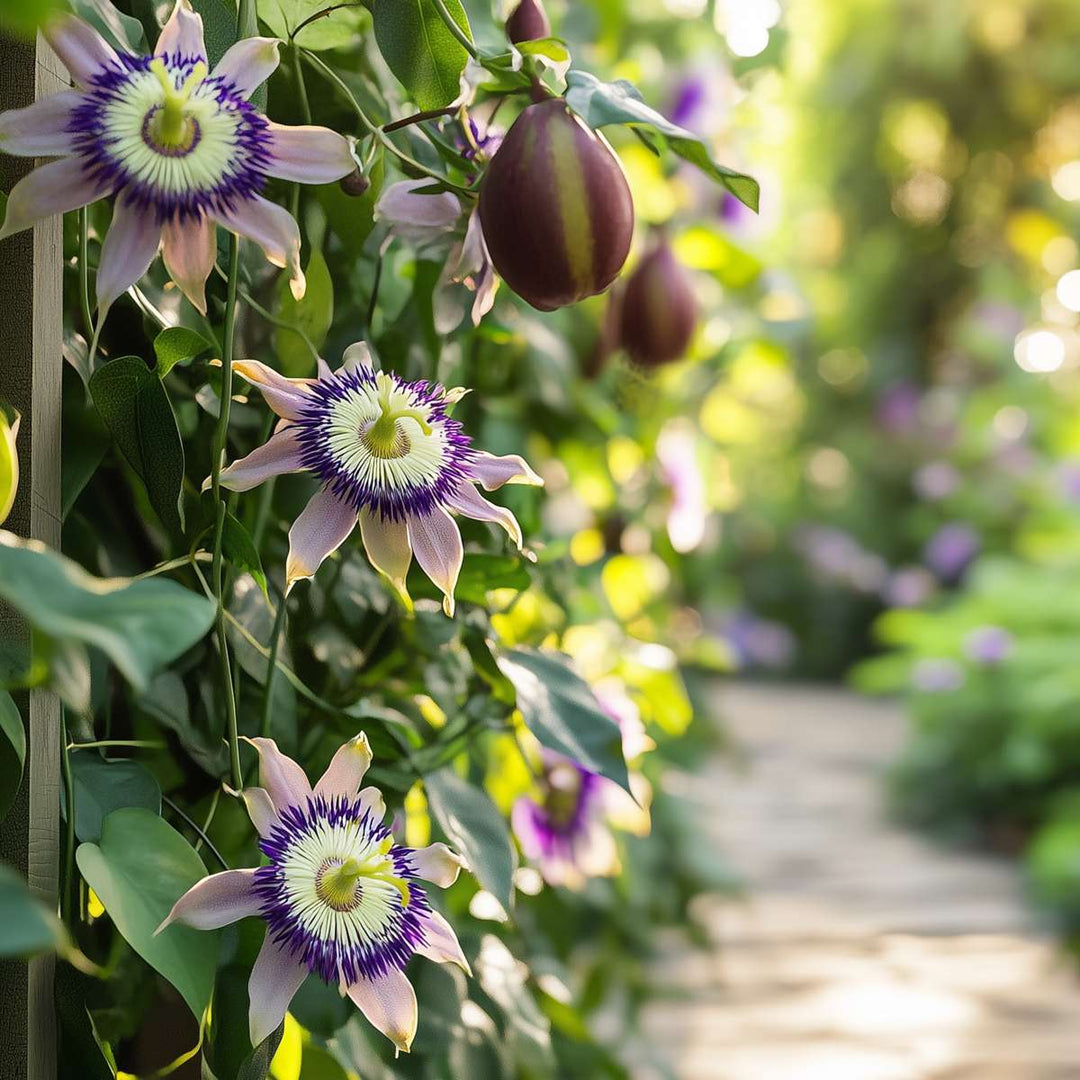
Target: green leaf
(12, 751)
(312, 315)
(139, 625)
(134, 405)
(103, 786)
(256, 1065)
(474, 826)
(561, 710)
(177, 345)
(352, 217)
(27, 926)
(419, 49)
(82, 1054)
(241, 552)
(599, 104)
(139, 870)
(119, 30)
(219, 28)
(333, 31)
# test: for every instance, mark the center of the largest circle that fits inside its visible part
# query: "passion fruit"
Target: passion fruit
(528, 22)
(555, 208)
(658, 311)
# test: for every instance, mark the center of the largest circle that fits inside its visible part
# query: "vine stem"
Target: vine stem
(194, 826)
(452, 26)
(374, 130)
(84, 272)
(220, 439)
(69, 825)
(271, 668)
(418, 118)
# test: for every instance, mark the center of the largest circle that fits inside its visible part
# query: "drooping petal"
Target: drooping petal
(493, 471)
(285, 782)
(182, 35)
(438, 864)
(51, 189)
(41, 129)
(260, 808)
(436, 543)
(596, 854)
(248, 64)
(389, 1003)
(273, 228)
(468, 501)
(357, 356)
(280, 454)
(275, 978)
(130, 245)
(346, 769)
(82, 49)
(371, 800)
(189, 250)
(322, 528)
(414, 216)
(215, 901)
(287, 397)
(387, 545)
(442, 944)
(322, 368)
(308, 154)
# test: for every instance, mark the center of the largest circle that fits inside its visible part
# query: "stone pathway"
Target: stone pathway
(860, 951)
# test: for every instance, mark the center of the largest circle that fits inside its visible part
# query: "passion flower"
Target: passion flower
(556, 208)
(340, 899)
(528, 22)
(658, 311)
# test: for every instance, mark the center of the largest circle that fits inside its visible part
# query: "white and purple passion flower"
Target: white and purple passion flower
(389, 457)
(340, 899)
(180, 146)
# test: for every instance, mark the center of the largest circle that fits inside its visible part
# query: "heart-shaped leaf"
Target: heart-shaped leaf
(103, 786)
(176, 345)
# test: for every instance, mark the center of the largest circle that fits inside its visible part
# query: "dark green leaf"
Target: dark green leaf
(104, 786)
(353, 217)
(135, 407)
(12, 751)
(474, 825)
(27, 926)
(177, 344)
(312, 316)
(139, 625)
(419, 49)
(84, 444)
(119, 30)
(240, 551)
(599, 104)
(219, 27)
(82, 1056)
(140, 869)
(561, 710)
(256, 1065)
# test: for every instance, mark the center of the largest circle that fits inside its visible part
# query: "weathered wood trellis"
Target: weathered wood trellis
(31, 328)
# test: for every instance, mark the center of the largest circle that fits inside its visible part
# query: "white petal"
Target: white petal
(189, 249)
(275, 978)
(309, 154)
(130, 245)
(442, 944)
(387, 545)
(51, 189)
(82, 49)
(436, 543)
(346, 771)
(41, 129)
(438, 864)
(323, 526)
(415, 216)
(182, 35)
(287, 397)
(356, 357)
(468, 501)
(271, 227)
(493, 471)
(284, 780)
(249, 63)
(280, 454)
(215, 901)
(389, 1003)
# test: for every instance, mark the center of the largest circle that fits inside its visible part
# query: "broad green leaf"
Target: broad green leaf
(27, 926)
(479, 574)
(219, 27)
(104, 786)
(476, 828)
(26, 17)
(86, 441)
(419, 49)
(135, 407)
(352, 217)
(241, 552)
(528, 1030)
(9, 462)
(561, 710)
(139, 870)
(176, 345)
(334, 31)
(119, 30)
(139, 625)
(312, 315)
(256, 1066)
(599, 104)
(12, 751)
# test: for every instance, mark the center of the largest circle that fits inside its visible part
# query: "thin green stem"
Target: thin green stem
(373, 129)
(271, 668)
(195, 829)
(320, 15)
(214, 801)
(137, 744)
(452, 26)
(84, 272)
(305, 111)
(418, 118)
(94, 338)
(69, 826)
(220, 440)
(374, 292)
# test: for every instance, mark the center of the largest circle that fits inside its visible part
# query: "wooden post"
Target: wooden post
(31, 338)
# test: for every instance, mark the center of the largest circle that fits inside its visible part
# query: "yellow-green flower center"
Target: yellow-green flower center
(172, 128)
(339, 884)
(384, 438)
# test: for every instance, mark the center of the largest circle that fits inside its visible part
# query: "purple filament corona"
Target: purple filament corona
(399, 937)
(394, 503)
(243, 179)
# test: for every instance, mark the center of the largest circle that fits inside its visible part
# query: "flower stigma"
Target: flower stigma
(384, 438)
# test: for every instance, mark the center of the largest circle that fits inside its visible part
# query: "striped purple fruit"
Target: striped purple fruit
(528, 22)
(658, 311)
(555, 208)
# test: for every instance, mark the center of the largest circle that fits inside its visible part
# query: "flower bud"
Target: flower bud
(528, 22)
(355, 184)
(556, 208)
(658, 311)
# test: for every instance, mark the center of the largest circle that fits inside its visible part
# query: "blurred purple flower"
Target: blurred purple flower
(898, 408)
(909, 586)
(838, 556)
(937, 676)
(950, 550)
(989, 645)
(1068, 479)
(758, 642)
(1004, 320)
(676, 452)
(936, 480)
